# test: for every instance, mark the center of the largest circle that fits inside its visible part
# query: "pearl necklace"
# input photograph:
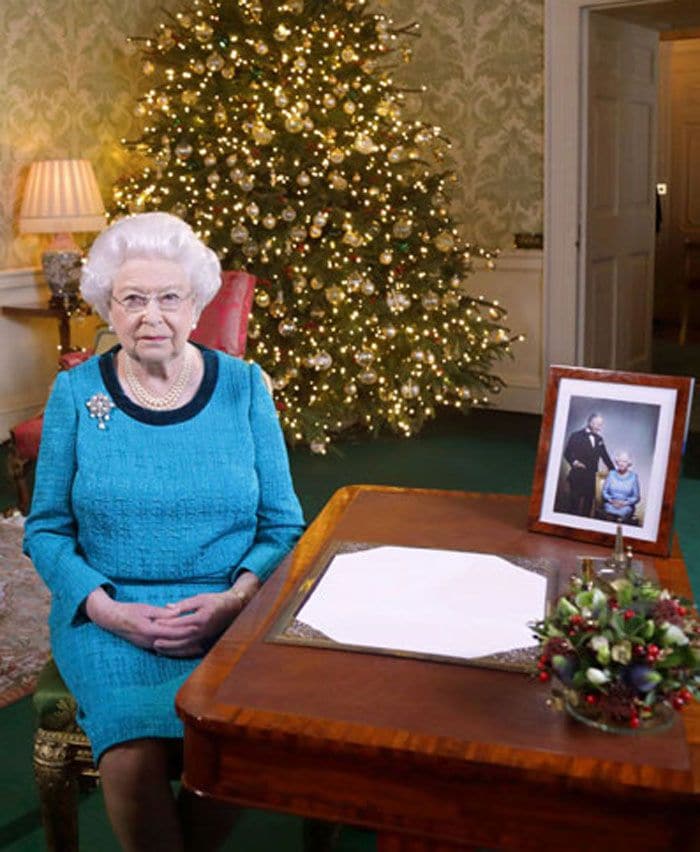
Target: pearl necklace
(168, 400)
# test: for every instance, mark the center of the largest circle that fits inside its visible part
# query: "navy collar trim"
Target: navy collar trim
(148, 415)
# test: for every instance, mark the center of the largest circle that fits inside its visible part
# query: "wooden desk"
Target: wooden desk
(433, 756)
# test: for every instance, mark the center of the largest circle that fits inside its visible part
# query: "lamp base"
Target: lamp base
(62, 273)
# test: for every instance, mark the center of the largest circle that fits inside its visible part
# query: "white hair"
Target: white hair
(621, 455)
(151, 236)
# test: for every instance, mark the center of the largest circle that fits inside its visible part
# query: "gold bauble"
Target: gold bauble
(349, 107)
(316, 283)
(315, 232)
(215, 62)
(364, 357)
(189, 97)
(336, 155)
(334, 295)
(148, 67)
(329, 101)
(294, 124)
(269, 221)
(282, 33)
(299, 284)
(347, 54)
(277, 309)
(303, 179)
(261, 48)
(430, 300)
(262, 298)
(386, 257)
(262, 134)
(367, 377)
(365, 144)
(402, 228)
(252, 210)
(444, 241)
(228, 72)
(289, 214)
(247, 183)
(202, 31)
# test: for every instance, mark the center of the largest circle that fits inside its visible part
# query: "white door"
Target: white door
(619, 198)
(679, 167)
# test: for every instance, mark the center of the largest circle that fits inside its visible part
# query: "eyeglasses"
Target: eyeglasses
(168, 302)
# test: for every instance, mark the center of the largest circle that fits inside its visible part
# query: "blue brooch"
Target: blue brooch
(100, 407)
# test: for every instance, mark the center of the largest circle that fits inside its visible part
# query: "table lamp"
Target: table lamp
(61, 197)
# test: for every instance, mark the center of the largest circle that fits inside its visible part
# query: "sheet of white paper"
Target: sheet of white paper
(426, 601)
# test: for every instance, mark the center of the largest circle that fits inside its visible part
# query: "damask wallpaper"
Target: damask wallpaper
(483, 64)
(68, 83)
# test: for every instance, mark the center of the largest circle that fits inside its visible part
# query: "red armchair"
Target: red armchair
(223, 325)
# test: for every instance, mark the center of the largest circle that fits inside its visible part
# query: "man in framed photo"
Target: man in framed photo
(584, 451)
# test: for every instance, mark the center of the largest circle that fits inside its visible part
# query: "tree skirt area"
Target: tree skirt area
(24, 612)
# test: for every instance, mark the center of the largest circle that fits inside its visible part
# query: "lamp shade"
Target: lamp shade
(61, 196)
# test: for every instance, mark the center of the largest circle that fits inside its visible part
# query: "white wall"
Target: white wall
(28, 348)
(517, 283)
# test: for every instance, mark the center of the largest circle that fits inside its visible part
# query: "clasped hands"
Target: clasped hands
(184, 628)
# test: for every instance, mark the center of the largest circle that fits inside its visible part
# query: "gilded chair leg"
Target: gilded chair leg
(58, 790)
(320, 836)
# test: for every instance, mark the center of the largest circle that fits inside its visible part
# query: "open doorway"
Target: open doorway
(676, 275)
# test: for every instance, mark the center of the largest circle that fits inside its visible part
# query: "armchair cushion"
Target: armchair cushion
(27, 437)
(224, 322)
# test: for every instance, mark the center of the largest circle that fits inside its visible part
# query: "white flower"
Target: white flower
(597, 676)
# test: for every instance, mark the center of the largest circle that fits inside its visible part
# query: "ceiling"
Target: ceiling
(663, 15)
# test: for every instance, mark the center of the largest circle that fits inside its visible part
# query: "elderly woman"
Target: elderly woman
(621, 490)
(163, 500)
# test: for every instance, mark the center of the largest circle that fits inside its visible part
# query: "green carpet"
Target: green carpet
(488, 451)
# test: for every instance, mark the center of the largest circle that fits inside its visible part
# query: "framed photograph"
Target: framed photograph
(609, 454)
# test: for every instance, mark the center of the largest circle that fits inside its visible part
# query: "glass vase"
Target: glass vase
(661, 719)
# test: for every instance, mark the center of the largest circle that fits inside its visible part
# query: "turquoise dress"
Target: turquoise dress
(625, 488)
(157, 506)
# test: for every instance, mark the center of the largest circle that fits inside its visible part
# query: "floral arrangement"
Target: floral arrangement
(623, 650)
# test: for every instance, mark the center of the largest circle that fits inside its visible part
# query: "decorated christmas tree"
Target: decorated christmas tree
(276, 131)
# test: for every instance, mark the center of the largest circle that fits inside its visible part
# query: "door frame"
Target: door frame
(565, 157)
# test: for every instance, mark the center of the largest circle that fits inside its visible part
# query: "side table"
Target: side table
(62, 312)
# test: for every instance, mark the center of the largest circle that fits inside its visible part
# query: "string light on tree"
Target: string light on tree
(277, 131)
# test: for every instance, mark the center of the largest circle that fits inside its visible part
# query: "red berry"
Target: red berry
(576, 619)
(634, 721)
(685, 694)
(681, 610)
(544, 676)
(678, 703)
(639, 650)
(543, 658)
(591, 699)
(629, 613)
(613, 604)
